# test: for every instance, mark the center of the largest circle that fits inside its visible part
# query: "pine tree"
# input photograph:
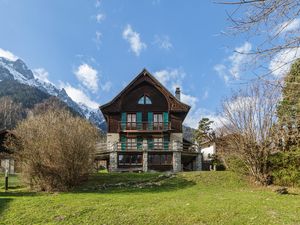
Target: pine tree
(204, 131)
(289, 108)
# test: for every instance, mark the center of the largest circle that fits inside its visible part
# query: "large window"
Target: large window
(131, 121)
(144, 100)
(130, 159)
(159, 159)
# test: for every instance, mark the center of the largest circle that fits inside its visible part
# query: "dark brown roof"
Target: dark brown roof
(180, 105)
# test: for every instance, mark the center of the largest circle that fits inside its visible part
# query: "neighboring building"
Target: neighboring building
(145, 129)
(6, 157)
(208, 149)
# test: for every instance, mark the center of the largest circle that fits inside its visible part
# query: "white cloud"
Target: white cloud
(194, 116)
(163, 42)
(136, 45)
(8, 55)
(88, 76)
(41, 74)
(239, 58)
(281, 63)
(222, 72)
(100, 17)
(288, 26)
(79, 96)
(107, 86)
(234, 63)
(171, 78)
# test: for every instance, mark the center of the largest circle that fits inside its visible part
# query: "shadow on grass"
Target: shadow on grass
(4, 202)
(136, 186)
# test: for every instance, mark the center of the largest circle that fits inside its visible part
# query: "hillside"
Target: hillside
(18, 82)
(184, 199)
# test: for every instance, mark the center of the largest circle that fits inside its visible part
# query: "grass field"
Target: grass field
(188, 198)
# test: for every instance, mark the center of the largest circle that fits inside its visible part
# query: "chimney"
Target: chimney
(177, 93)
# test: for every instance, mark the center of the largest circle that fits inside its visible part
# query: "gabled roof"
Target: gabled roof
(177, 105)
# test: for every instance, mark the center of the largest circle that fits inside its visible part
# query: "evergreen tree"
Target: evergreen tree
(204, 131)
(289, 109)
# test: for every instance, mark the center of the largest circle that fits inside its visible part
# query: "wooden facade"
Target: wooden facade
(144, 118)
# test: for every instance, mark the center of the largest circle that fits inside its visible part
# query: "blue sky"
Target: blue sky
(94, 48)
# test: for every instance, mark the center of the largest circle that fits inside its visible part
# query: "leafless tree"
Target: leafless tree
(10, 113)
(55, 149)
(249, 128)
(274, 23)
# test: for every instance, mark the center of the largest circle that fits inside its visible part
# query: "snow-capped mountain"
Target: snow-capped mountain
(18, 71)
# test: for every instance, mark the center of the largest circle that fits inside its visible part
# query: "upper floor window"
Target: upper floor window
(145, 100)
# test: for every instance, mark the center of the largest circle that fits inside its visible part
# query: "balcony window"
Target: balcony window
(144, 100)
(131, 121)
(158, 143)
(158, 121)
(131, 143)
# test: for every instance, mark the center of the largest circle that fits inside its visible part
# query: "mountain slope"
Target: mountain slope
(18, 81)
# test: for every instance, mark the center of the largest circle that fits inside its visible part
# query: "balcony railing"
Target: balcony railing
(144, 126)
(155, 146)
(103, 148)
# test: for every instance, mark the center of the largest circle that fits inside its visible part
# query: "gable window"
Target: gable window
(144, 100)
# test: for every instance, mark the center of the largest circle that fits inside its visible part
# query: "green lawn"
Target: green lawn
(188, 198)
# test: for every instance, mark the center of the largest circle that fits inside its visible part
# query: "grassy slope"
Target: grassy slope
(190, 198)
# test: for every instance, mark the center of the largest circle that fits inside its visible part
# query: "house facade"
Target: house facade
(145, 129)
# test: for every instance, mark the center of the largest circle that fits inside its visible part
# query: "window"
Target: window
(160, 159)
(158, 121)
(131, 121)
(158, 143)
(131, 143)
(130, 160)
(144, 100)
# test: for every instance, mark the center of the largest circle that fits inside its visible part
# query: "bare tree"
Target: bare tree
(274, 23)
(10, 113)
(249, 128)
(55, 149)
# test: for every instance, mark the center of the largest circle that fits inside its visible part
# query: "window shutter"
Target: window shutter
(139, 120)
(150, 143)
(150, 120)
(123, 121)
(139, 142)
(166, 120)
(123, 142)
(166, 142)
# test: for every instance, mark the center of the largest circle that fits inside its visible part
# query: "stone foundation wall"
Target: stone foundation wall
(177, 162)
(113, 162)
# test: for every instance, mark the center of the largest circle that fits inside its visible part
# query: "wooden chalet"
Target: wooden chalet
(145, 129)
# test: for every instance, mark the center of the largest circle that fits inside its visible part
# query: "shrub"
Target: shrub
(285, 168)
(55, 150)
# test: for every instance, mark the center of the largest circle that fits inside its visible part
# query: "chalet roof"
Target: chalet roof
(146, 75)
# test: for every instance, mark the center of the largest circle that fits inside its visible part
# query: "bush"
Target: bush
(236, 165)
(55, 150)
(285, 167)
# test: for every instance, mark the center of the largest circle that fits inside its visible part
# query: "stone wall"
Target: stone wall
(113, 161)
(177, 162)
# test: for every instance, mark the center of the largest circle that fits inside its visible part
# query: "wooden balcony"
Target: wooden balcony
(153, 146)
(144, 127)
(104, 148)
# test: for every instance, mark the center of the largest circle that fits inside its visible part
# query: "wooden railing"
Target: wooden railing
(152, 146)
(144, 126)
